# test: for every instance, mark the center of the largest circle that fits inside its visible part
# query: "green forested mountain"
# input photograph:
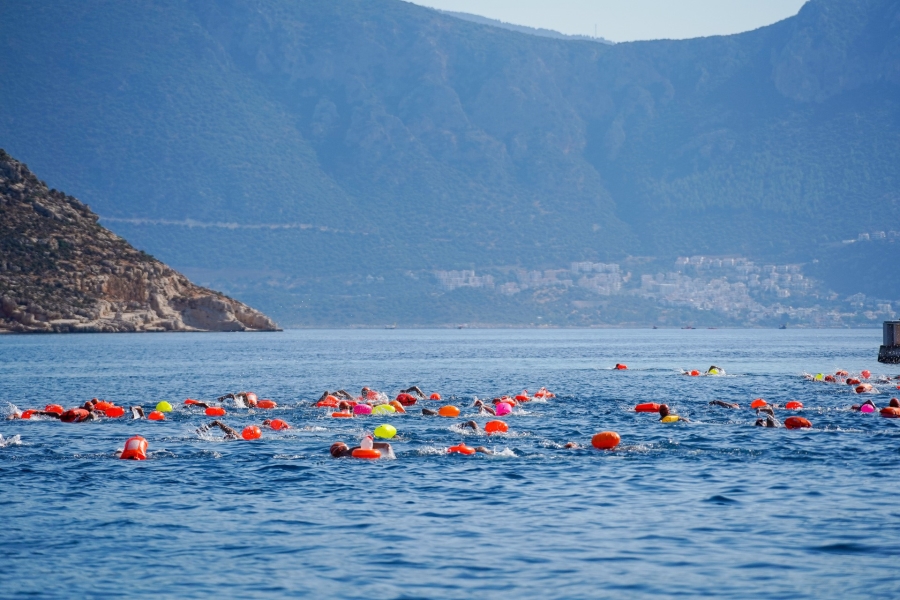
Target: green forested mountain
(304, 146)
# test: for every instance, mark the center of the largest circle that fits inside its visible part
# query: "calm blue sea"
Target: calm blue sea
(715, 507)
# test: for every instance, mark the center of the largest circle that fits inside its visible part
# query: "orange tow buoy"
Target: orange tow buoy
(695, 373)
(103, 405)
(398, 407)
(434, 396)
(27, 414)
(329, 402)
(406, 399)
(621, 367)
(797, 423)
(448, 411)
(54, 408)
(890, 412)
(461, 449)
(266, 404)
(342, 415)
(114, 412)
(647, 407)
(605, 440)
(135, 449)
(522, 398)
(215, 411)
(793, 405)
(369, 453)
(495, 427)
(156, 416)
(189, 401)
(278, 424)
(758, 403)
(251, 432)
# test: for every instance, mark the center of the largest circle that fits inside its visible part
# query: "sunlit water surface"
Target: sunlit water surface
(712, 507)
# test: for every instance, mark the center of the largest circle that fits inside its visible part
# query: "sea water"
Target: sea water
(713, 507)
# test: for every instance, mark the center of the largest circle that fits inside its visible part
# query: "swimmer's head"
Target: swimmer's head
(267, 422)
(338, 448)
(895, 403)
(663, 410)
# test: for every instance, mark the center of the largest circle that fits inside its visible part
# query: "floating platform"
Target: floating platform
(890, 348)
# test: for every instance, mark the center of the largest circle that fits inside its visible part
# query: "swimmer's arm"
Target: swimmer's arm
(386, 450)
(484, 450)
(45, 413)
(225, 397)
(429, 413)
(229, 432)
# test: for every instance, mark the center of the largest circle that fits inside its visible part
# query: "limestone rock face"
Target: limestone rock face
(60, 271)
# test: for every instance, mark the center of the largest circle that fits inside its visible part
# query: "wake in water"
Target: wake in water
(15, 440)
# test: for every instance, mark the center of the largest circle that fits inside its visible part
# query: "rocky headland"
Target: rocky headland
(61, 271)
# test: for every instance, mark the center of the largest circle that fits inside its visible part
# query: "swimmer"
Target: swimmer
(714, 370)
(340, 394)
(241, 398)
(282, 425)
(230, 434)
(859, 406)
(724, 404)
(894, 403)
(342, 450)
(427, 412)
(484, 408)
(769, 421)
(414, 390)
(572, 446)
(665, 415)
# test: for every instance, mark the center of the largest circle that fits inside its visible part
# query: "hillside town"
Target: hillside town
(735, 287)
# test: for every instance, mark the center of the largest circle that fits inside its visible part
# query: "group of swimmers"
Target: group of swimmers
(348, 406)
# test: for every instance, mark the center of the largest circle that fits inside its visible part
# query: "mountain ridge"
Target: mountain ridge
(445, 144)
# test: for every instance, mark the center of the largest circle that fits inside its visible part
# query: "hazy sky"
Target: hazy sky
(625, 20)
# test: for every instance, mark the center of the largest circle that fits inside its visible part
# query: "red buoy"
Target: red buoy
(797, 423)
(605, 440)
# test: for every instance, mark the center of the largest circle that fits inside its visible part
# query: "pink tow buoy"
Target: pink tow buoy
(867, 408)
(503, 408)
(362, 409)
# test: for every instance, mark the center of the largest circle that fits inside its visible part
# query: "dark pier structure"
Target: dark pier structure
(890, 348)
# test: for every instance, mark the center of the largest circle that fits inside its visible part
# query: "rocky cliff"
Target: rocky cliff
(60, 271)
